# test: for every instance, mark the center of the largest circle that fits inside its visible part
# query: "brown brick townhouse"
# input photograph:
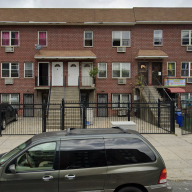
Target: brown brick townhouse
(122, 43)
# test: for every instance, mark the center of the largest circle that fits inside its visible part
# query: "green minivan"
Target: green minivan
(84, 160)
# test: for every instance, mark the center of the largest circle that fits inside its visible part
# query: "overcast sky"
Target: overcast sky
(93, 3)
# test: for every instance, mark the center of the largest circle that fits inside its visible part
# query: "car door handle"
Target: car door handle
(47, 177)
(70, 176)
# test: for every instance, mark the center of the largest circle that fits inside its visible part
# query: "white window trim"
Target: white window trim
(189, 37)
(9, 70)
(106, 70)
(189, 63)
(32, 71)
(154, 37)
(168, 69)
(88, 39)
(121, 39)
(46, 39)
(121, 94)
(10, 39)
(10, 96)
(121, 70)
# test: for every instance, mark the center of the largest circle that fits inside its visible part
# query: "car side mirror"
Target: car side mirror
(12, 168)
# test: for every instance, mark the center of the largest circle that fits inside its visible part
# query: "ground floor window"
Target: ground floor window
(120, 100)
(185, 96)
(11, 99)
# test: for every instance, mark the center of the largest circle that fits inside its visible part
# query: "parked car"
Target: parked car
(112, 160)
(8, 114)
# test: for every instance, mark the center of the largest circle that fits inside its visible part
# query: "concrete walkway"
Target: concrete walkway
(176, 151)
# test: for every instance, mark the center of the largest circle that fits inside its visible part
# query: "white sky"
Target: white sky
(93, 3)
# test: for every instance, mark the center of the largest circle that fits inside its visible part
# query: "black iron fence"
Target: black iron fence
(33, 119)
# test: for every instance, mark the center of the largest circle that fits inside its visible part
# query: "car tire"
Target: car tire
(16, 117)
(3, 126)
(130, 189)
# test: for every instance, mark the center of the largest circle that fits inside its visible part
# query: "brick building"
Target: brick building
(122, 43)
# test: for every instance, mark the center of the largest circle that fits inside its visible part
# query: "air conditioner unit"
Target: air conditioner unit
(8, 81)
(9, 49)
(121, 81)
(189, 80)
(122, 112)
(189, 48)
(121, 49)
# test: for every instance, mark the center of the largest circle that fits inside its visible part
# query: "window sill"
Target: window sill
(158, 45)
(88, 46)
(9, 77)
(120, 46)
(102, 77)
(121, 77)
(10, 45)
(28, 77)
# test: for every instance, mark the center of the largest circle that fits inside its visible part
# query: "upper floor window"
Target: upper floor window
(102, 67)
(28, 69)
(9, 38)
(88, 38)
(121, 69)
(158, 37)
(9, 70)
(186, 69)
(121, 38)
(171, 69)
(42, 38)
(186, 37)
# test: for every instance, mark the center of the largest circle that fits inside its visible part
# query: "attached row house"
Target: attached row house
(55, 48)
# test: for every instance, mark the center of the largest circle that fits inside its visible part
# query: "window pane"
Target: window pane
(44, 158)
(184, 69)
(14, 38)
(127, 151)
(28, 69)
(171, 69)
(116, 99)
(102, 70)
(185, 37)
(5, 69)
(157, 37)
(42, 38)
(5, 98)
(88, 43)
(116, 38)
(77, 154)
(125, 38)
(5, 38)
(14, 70)
(125, 69)
(88, 35)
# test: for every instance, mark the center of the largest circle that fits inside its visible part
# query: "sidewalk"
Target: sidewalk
(176, 151)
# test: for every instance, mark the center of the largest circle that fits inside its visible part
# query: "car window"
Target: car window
(127, 151)
(6, 156)
(77, 154)
(39, 157)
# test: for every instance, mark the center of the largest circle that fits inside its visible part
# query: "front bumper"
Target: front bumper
(159, 188)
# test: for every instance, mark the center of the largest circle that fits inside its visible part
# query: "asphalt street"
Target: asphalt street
(181, 186)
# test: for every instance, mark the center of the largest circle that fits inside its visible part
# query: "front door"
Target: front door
(156, 73)
(143, 70)
(43, 74)
(86, 79)
(28, 105)
(73, 73)
(102, 110)
(57, 74)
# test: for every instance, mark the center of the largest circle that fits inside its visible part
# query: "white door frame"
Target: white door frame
(86, 81)
(73, 77)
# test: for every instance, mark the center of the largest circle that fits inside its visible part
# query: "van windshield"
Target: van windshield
(11, 153)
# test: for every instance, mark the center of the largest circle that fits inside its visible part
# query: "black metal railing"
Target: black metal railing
(85, 81)
(49, 96)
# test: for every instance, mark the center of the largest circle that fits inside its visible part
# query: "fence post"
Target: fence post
(62, 114)
(158, 112)
(84, 114)
(44, 117)
(0, 122)
(172, 113)
(129, 111)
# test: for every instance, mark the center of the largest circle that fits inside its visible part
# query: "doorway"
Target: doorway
(28, 105)
(86, 79)
(143, 70)
(43, 74)
(57, 73)
(156, 73)
(102, 106)
(73, 73)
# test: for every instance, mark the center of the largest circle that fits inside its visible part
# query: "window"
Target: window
(77, 154)
(88, 38)
(171, 69)
(121, 38)
(42, 38)
(9, 70)
(186, 69)
(121, 100)
(123, 151)
(9, 38)
(158, 37)
(102, 70)
(186, 37)
(39, 157)
(11, 99)
(185, 96)
(28, 69)
(121, 70)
